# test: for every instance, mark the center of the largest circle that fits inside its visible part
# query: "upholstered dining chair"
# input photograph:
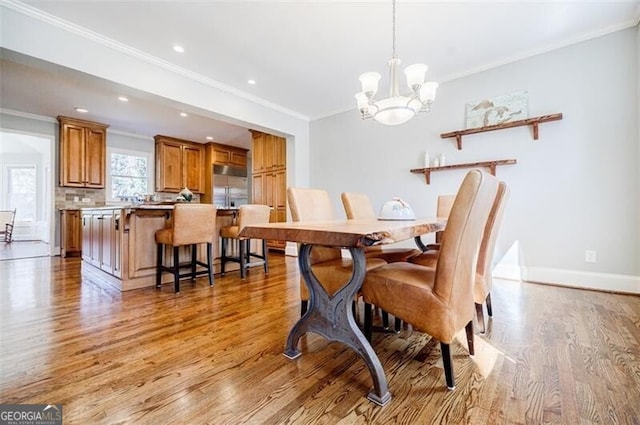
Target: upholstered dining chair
(439, 301)
(484, 268)
(247, 215)
(327, 263)
(443, 208)
(191, 224)
(358, 206)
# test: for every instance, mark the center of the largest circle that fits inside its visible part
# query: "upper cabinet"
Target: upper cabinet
(269, 152)
(179, 164)
(82, 153)
(227, 155)
(218, 154)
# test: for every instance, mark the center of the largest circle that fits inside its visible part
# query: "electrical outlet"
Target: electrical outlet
(76, 199)
(590, 256)
(86, 200)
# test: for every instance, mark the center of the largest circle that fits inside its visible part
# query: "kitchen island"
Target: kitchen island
(118, 244)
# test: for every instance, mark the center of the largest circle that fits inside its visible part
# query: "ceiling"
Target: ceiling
(305, 56)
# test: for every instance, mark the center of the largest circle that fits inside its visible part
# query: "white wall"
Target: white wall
(574, 189)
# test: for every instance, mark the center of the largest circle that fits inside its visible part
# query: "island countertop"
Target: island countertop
(119, 245)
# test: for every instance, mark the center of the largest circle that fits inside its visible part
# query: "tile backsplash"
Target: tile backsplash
(71, 197)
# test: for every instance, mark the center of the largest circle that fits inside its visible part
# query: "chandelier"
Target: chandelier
(396, 109)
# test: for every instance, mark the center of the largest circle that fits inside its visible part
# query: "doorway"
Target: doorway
(26, 185)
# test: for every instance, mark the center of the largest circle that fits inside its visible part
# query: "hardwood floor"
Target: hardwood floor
(214, 355)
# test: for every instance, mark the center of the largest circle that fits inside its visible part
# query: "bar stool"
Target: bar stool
(247, 215)
(192, 224)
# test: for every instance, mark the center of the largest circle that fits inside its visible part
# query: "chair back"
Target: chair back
(485, 256)
(253, 214)
(456, 267)
(444, 204)
(193, 224)
(7, 217)
(313, 205)
(357, 206)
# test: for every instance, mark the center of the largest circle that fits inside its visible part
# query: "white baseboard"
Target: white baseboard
(572, 278)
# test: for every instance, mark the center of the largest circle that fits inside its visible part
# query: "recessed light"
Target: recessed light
(252, 82)
(209, 138)
(178, 48)
(183, 114)
(123, 99)
(82, 110)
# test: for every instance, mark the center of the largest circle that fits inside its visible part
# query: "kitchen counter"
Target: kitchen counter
(119, 243)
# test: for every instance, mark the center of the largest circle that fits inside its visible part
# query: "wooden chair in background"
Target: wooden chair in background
(7, 221)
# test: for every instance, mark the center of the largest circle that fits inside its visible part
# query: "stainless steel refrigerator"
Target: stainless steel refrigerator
(230, 186)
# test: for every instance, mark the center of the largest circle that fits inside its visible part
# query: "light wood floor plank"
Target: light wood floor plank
(213, 355)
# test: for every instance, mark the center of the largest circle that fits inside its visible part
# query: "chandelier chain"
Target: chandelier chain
(394, 29)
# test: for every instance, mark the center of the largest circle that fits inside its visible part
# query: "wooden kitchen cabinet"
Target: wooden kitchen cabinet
(227, 155)
(101, 239)
(269, 152)
(218, 154)
(269, 178)
(71, 233)
(179, 164)
(83, 147)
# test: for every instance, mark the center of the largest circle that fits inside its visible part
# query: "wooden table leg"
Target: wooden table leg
(332, 317)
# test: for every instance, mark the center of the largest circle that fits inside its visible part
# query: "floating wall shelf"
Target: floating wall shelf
(490, 164)
(533, 122)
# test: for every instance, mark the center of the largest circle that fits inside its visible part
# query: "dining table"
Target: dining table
(331, 315)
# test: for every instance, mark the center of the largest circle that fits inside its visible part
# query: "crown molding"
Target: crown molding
(143, 56)
(28, 115)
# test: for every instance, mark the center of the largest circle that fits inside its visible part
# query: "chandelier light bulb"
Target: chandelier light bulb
(415, 74)
(369, 81)
(428, 91)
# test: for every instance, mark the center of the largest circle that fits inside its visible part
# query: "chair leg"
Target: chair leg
(194, 257)
(469, 329)
(209, 263)
(243, 258)
(448, 365)
(488, 301)
(480, 317)
(159, 252)
(368, 321)
(176, 269)
(223, 255)
(265, 255)
(397, 324)
(385, 319)
(304, 304)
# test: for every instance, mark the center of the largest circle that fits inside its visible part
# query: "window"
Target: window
(129, 174)
(22, 191)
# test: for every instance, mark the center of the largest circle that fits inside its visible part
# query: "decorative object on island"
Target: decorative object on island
(533, 122)
(497, 110)
(396, 209)
(186, 194)
(396, 109)
(489, 164)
